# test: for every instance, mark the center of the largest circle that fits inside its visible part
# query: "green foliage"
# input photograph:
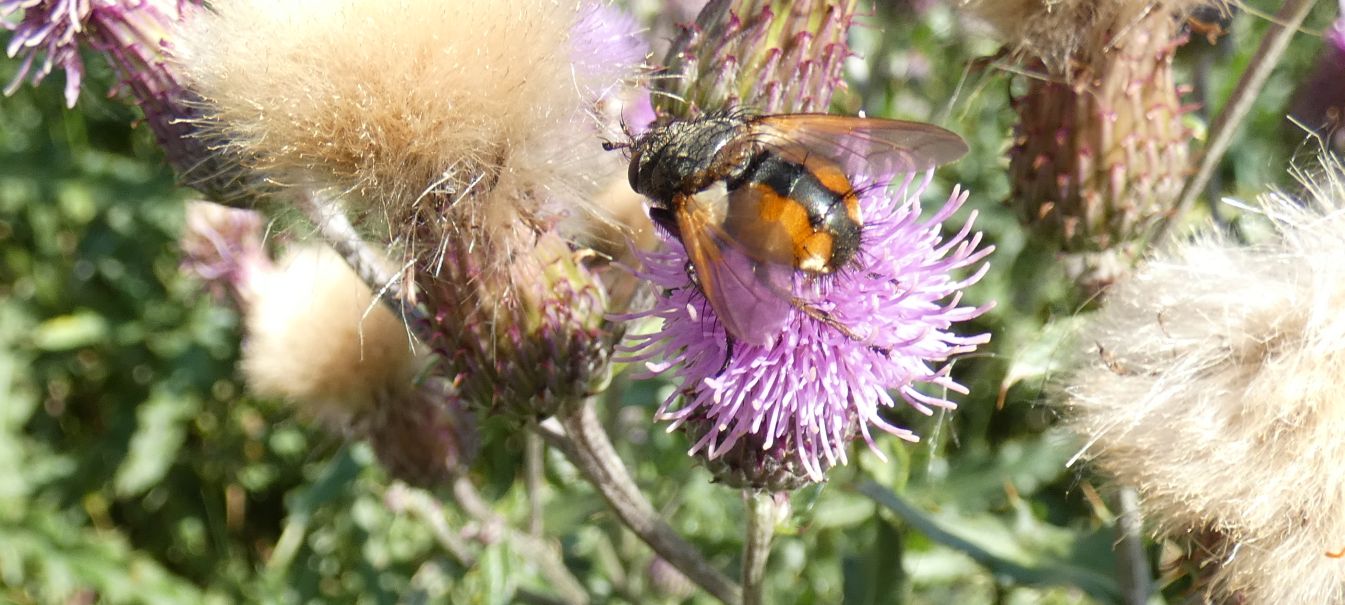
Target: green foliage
(134, 469)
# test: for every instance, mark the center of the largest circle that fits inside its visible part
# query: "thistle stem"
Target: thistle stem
(532, 476)
(1134, 565)
(1225, 125)
(760, 507)
(580, 436)
(337, 231)
(542, 553)
(402, 497)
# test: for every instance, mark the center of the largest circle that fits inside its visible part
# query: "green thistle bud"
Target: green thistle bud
(526, 337)
(772, 56)
(1100, 150)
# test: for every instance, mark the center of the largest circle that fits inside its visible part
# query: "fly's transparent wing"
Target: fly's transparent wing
(750, 297)
(871, 146)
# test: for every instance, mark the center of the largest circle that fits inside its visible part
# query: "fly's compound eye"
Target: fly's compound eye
(633, 171)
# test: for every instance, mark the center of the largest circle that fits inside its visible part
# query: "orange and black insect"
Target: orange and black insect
(759, 200)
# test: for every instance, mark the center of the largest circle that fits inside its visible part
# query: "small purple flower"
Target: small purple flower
(224, 248)
(137, 38)
(50, 32)
(1319, 102)
(794, 403)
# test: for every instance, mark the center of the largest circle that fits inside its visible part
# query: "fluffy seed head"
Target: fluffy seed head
(1212, 379)
(419, 108)
(316, 336)
(300, 347)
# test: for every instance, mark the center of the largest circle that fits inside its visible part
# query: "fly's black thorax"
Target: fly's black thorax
(685, 157)
(824, 193)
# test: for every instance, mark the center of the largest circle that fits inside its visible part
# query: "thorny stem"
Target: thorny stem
(1225, 125)
(760, 507)
(581, 438)
(537, 550)
(337, 231)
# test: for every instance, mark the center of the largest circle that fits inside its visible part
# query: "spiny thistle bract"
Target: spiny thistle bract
(466, 136)
(779, 415)
(771, 56)
(1211, 381)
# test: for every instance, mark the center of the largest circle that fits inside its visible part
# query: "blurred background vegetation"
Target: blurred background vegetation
(134, 467)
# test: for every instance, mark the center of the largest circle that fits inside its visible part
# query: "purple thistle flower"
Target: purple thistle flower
(223, 247)
(136, 37)
(784, 412)
(1319, 102)
(49, 30)
(129, 31)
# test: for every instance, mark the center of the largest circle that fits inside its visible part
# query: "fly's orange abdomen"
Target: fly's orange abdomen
(803, 214)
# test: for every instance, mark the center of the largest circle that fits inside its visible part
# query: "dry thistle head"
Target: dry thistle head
(317, 338)
(467, 134)
(1211, 381)
(435, 112)
(1100, 150)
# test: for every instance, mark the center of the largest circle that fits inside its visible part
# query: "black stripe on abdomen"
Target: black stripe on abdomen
(793, 181)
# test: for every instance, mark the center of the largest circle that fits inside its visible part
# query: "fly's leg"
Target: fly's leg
(831, 322)
(728, 355)
(728, 338)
